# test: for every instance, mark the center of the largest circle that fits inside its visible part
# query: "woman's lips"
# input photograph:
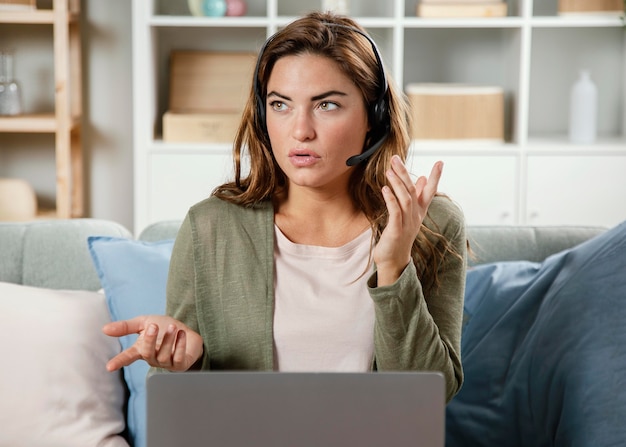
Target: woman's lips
(303, 158)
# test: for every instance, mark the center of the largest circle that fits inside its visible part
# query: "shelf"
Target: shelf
(245, 22)
(462, 147)
(27, 17)
(604, 146)
(42, 123)
(34, 123)
(191, 22)
(578, 21)
(500, 22)
(40, 16)
(158, 146)
(561, 146)
(588, 21)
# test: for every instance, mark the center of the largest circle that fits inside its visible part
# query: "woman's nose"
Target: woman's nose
(303, 126)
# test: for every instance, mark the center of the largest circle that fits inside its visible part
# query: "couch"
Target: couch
(61, 280)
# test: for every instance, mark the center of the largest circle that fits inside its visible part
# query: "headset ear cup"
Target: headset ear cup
(380, 115)
(380, 111)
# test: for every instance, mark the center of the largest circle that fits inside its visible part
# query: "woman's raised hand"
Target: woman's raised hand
(407, 204)
(162, 342)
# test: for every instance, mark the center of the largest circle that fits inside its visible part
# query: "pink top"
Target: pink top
(324, 316)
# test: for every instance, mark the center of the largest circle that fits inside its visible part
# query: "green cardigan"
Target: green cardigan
(221, 284)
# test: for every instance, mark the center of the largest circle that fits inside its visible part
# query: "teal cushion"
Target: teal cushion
(133, 275)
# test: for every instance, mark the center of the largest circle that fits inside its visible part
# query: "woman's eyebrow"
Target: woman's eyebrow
(328, 93)
(274, 93)
(314, 98)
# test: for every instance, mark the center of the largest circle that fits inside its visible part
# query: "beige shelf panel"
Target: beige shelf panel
(35, 123)
(40, 16)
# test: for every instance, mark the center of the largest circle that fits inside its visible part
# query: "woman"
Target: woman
(326, 256)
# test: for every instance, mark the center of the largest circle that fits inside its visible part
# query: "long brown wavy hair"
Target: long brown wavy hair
(355, 56)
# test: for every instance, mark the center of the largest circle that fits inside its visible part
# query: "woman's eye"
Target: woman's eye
(278, 105)
(327, 105)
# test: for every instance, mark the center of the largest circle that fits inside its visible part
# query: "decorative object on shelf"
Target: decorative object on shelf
(456, 112)
(214, 8)
(17, 200)
(10, 90)
(194, 7)
(207, 8)
(583, 110)
(591, 6)
(236, 8)
(17, 5)
(462, 8)
(336, 6)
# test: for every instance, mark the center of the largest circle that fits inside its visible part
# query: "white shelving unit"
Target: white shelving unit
(536, 177)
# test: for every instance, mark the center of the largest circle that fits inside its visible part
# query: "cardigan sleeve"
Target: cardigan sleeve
(419, 328)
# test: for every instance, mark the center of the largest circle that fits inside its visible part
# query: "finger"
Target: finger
(430, 189)
(393, 208)
(124, 327)
(403, 188)
(180, 351)
(400, 169)
(122, 359)
(164, 355)
(148, 344)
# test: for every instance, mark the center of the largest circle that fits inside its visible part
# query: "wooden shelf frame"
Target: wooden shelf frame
(65, 122)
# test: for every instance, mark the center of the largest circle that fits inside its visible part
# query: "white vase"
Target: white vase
(583, 110)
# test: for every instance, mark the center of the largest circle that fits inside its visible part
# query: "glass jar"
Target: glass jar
(10, 91)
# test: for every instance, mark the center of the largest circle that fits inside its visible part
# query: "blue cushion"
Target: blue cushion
(133, 275)
(544, 350)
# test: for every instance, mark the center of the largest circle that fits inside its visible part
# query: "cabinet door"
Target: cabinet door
(576, 190)
(177, 181)
(484, 186)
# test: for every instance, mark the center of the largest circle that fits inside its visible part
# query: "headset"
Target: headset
(378, 113)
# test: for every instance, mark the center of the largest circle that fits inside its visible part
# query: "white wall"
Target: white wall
(108, 109)
(107, 131)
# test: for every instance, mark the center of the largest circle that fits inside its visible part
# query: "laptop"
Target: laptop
(279, 409)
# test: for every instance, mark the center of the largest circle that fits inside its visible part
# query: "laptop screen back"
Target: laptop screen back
(269, 409)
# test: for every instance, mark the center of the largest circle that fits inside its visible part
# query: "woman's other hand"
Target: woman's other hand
(407, 204)
(163, 342)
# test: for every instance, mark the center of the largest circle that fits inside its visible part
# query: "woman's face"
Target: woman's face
(316, 120)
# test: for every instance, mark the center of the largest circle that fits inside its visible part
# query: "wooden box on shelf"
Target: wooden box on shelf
(208, 91)
(584, 6)
(460, 8)
(200, 127)
(456, 112)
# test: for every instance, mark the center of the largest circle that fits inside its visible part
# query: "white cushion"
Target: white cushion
(54, 385)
